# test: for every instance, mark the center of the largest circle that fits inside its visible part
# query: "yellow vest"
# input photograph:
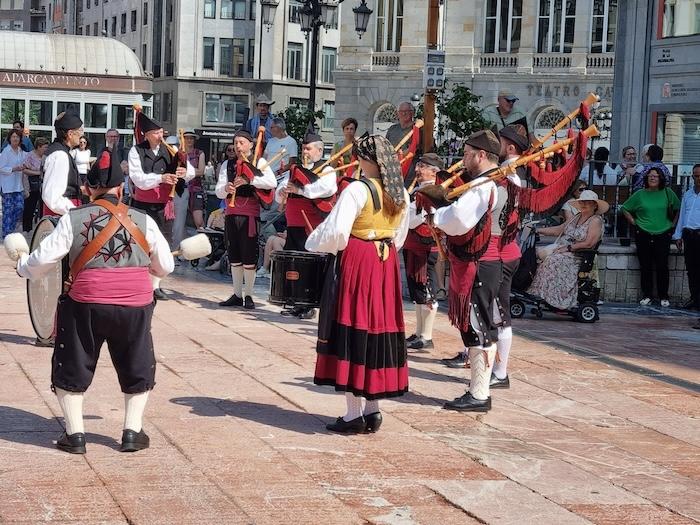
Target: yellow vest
(373, 224)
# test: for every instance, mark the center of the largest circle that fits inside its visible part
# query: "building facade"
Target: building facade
(659, 50)
(210, 59)
(22, 15)
(549, 53)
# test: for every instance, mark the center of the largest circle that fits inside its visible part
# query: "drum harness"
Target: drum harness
(119, 218)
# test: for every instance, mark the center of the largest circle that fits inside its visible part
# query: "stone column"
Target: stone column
(527, 36)
(579, 55)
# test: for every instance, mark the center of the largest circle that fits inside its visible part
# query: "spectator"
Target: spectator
(687, 237)
(263, 117)
(652, 155)
(569, 209)
(626, 169)
(197, 195)
(398, 131)
(81, 156)
(11, 166)
(274, 243)
(349, 127)
(504, 112)
(112, 144)
(653, 212)
(32, 172)
(279, 140)
(26, 143)
(602, 174)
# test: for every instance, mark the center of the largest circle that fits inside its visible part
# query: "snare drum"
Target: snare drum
(297, 278)
(43, 293)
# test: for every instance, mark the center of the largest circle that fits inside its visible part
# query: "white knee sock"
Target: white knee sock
(72, 406)
(237, 278)
(134, 406)
(354, 406)
(371, 406)
(419, 320)
(429, 315)
(481, 361)
(249, 280)
(505, 340)
(155, 281)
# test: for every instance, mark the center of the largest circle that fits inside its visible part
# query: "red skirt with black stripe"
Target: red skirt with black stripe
(361, 344)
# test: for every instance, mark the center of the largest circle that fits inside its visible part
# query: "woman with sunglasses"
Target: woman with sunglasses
(81, 155)
(569, 209)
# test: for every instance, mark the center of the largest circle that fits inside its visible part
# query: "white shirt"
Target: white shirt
(149, 181)
(54, 247)
(267, 181)
(82, 160)
(325, 186)
(11, 181)
(461, 216)
(333, 234)
(274, 145)
(609, 176)
(53, 187)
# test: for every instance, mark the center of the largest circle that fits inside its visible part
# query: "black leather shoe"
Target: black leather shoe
(499, 383)
(248, 304)
(307, 313)
(133, 441)
(458, 361)
(74, 444)
(356, 426)
(420, 344)
(291, 312)
(412, 338)
(373, 421)
(467, 403)
(160, 294)
(234, 300)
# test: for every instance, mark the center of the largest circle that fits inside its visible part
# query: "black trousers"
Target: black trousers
(296, 238)
(509, 269)
(483, 329)
(30, 205)
(82, 328)
(155, 211)
(418, 292)
(691, 251)
(652, 252)
(242, 248)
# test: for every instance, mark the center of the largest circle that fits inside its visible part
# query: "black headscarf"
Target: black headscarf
(379, 150)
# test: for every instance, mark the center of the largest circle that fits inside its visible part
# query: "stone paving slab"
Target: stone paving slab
(238, 435)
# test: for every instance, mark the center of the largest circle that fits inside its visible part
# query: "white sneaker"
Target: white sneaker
(645, 302)
(665, 303)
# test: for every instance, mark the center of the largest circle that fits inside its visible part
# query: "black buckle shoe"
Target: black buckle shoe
(467, 403)
(248, 304)
(160, 294)
(420, 344)
(234, 300)
(499, 383)
(356, 426)
(307, 313)
(412, 338)
(373, 422)
(133, 441)
(458, 361)
(73, 444)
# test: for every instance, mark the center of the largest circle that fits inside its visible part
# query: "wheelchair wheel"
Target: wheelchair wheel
(587, 313)
(517, 309)
(194, 263)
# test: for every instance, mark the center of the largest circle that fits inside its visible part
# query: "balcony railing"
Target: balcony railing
(498, 61)
(550, 61)
(385, 61)
(600, 61)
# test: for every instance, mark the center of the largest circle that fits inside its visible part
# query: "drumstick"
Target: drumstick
(308, 224)
(418, 124)
(258, 145)
(335, 157)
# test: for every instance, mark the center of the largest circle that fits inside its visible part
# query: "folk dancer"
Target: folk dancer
(153, 172)
(361, 348)
(239, 181)
(110, 299)
(307, 196)
(474, 280)
(61, 186)
(420, 255)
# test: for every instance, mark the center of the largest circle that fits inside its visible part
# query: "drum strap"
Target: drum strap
(119, 218)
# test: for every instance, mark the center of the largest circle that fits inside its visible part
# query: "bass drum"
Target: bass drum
(296, 278)
(42, 294)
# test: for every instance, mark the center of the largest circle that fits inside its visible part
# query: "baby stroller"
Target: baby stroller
(218, 248)
(586, 311)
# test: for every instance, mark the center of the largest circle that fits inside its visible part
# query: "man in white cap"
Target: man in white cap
(504, 113)
(262, 118)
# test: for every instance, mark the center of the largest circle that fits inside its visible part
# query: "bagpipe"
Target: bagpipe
(248, 170)
(301, 176)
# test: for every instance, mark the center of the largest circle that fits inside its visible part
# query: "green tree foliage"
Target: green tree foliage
(297, 119)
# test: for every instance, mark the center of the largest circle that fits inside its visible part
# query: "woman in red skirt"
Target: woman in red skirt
(361, 347)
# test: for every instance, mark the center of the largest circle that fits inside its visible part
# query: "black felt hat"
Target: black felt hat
(517, 134)
(68, 120)
(485, 140)
(106, 171)
(432, 159)
(243, 133)
(310, 138)
(147, 123)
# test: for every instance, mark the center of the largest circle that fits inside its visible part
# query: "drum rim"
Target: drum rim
(292, 254)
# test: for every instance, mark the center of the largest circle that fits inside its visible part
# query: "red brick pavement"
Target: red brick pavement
(238, 436)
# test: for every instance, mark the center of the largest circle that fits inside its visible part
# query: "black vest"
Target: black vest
(73, 184)
(247, 190)
(150, 163)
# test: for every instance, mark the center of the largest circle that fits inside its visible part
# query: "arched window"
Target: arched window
(548, 118)
(384, 117)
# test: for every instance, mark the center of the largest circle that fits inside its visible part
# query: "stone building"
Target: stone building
(550, 53)
(22, 15)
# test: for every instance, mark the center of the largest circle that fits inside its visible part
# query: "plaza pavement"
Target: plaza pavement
(586, 433)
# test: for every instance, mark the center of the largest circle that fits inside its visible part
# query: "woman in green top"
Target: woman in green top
(653, 213)
(349, 127)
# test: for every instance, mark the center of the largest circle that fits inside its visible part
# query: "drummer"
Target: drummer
(110, 299)
(301, 212)
(60, 190)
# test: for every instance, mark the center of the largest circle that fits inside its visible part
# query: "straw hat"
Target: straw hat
(590, 195)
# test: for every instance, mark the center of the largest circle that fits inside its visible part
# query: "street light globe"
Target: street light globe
(269, 8)
(306, 18)
(362, 14)
(415, 100)
(328, 10)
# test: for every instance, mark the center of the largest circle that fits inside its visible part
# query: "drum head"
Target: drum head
(42, 294)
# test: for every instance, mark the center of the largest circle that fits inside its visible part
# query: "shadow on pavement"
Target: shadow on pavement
(17, 339)
(270, 415)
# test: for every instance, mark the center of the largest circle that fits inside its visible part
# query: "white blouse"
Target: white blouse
(333, 234)
(11, 181)
(82, 160)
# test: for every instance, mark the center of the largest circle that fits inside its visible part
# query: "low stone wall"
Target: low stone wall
(618, 268)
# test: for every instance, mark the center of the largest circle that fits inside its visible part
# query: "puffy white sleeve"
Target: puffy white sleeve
(162, 261)
(333, 234)
(325, 186)
(463, 215)
(51, 250)
(402, 232)
(280, 187)
(267, 181)
(221, 181)
(143, 181)
(56, 168)
(415, 219)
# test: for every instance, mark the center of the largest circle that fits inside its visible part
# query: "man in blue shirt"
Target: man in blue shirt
(687, 237)
(26, 143)
(262, 118)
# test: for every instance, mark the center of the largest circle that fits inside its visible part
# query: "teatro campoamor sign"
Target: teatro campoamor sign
(71, 81)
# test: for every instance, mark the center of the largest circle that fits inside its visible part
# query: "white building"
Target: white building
(550, 53)
(211, 58)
